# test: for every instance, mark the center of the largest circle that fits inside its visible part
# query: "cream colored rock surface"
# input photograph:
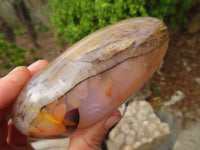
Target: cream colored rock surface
(139, 129)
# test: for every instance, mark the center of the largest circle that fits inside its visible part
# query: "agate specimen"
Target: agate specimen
(91, 78)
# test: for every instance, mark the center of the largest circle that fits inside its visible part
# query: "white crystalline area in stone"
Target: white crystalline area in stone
(139, 128)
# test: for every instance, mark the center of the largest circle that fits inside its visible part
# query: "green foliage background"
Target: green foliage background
(74, 19)
(11, 55)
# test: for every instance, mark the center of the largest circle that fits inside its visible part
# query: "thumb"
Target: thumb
(90, 138)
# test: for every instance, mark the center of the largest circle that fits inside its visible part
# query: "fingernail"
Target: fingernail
(112, 120)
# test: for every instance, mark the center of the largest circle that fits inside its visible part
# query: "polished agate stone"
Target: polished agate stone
(91, 78)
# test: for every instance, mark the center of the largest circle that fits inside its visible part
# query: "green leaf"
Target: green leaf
(157, 89)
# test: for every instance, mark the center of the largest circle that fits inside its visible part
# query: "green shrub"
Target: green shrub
(74, 19)
(11, 56)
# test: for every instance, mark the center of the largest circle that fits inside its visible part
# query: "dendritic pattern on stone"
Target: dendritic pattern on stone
(139, 129)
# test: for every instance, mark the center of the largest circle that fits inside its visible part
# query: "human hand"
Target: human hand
(10, 87)
(12, 139)
(90, 138)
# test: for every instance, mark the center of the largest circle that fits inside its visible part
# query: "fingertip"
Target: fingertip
(36, 66)
(116, 113)
(112, 119)
(18, 77)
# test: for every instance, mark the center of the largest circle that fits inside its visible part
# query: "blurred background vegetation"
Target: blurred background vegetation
(73, 20)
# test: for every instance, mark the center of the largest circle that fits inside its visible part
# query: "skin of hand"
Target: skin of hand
(11, 139)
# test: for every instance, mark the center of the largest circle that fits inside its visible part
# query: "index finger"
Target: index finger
(12, 84)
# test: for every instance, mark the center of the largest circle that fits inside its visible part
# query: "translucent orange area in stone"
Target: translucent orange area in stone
(106, 84)
(48, 122)
(45, 124)
(108, 92)
(59, 111)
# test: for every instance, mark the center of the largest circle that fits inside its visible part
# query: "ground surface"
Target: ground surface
(180, 71)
